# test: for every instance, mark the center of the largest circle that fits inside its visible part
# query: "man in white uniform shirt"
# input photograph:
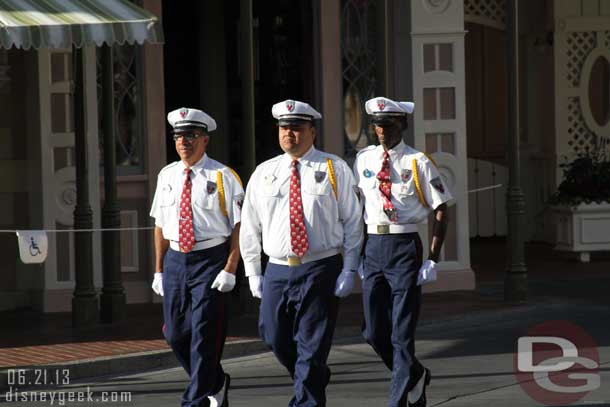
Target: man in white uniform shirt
(400, 187)
(302, 210)
(197, 211)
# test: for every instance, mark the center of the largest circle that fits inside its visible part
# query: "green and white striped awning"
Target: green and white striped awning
(64, 23)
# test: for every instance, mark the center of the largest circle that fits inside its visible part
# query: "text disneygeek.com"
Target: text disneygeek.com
(63, 397)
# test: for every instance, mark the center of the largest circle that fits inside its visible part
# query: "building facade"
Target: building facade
(448, 56)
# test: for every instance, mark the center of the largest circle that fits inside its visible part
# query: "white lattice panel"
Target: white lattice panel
(578, 47)
(580, 138)
(486, 10)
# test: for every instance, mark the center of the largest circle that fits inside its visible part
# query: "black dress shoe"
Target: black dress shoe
(421, 402)
(225, 401)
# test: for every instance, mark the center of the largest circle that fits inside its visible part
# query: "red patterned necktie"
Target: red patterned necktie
(187, 233)
(385, 186)
(298, 233)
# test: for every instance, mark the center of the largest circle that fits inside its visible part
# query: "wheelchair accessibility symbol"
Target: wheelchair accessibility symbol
(33, 246)
(34, 249)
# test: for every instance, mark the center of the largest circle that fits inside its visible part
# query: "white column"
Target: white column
(439, 90)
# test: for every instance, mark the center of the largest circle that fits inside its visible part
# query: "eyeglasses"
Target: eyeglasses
(187, 136)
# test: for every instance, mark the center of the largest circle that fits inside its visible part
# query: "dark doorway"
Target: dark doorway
(181, 65)
(283, 65)
(284, 38)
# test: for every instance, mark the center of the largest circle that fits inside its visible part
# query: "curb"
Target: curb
(110, 365)
(165, 359)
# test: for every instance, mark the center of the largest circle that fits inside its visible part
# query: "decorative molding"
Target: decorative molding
(436, 6)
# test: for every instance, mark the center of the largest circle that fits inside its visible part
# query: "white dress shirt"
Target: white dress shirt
(331, 223)
(405, 198)
(208, 220)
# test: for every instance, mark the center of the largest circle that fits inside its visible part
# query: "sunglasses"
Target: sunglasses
(187, 136)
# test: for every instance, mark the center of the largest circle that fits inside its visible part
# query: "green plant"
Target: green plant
(586, 179)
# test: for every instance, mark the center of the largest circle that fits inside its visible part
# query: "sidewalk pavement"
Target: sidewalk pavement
(31, 339)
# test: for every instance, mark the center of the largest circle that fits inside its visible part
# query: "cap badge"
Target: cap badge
(290, 105)
(183, 113)
(381, 104)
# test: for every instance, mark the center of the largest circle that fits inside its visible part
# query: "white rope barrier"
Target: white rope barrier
(79, 230)
(484, 188)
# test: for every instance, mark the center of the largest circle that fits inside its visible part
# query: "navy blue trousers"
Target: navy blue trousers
(392, 302)
(196, 318)
(297, 320)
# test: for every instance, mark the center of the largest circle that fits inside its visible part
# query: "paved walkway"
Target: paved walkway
(32, 339)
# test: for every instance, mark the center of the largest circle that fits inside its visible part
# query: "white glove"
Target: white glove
(345, 283)
(427, 272)
(157, 284)
(256, 286)
(224, 282)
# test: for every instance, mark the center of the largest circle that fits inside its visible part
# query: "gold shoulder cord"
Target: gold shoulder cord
(431, 160)
(236, 176)
(331, 176)
(420, 193)
(221, 193)
(221, 189)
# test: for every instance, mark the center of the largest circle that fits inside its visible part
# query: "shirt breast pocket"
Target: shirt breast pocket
(405, 192)
(207, 201)
(270, 190)
(318, 188)
(319, 203)
(168, 197)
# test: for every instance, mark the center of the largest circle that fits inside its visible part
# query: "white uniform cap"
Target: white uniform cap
(185, 118)
(381, 106)
(291, 111)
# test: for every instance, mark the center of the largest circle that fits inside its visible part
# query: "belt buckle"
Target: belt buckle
(294, 261)
(383, 229)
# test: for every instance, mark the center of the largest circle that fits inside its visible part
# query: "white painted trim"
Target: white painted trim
(585, 80)
(583, 24)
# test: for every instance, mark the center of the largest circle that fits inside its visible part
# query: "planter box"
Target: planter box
(583, 229)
